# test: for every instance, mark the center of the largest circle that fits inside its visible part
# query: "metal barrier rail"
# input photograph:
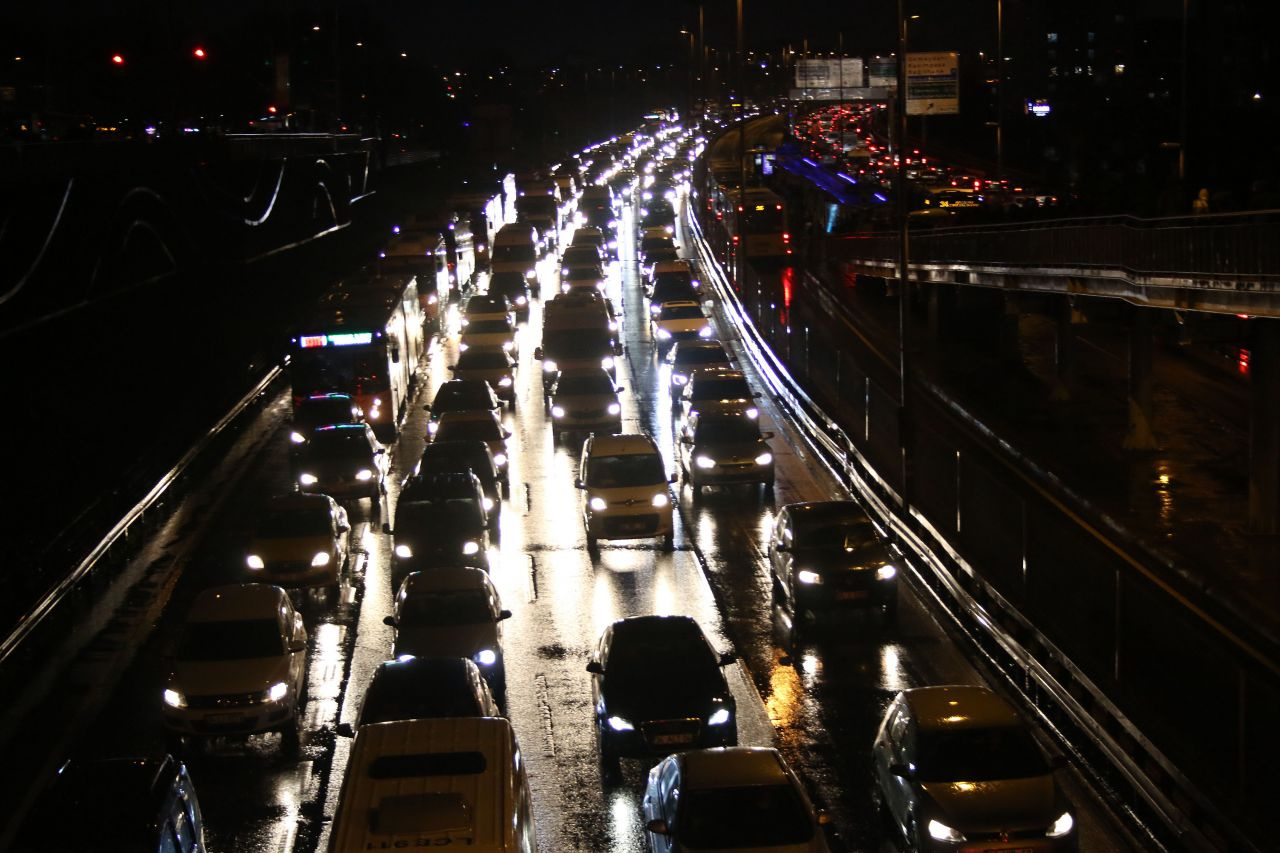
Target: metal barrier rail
(50, 602)
(1030, 662)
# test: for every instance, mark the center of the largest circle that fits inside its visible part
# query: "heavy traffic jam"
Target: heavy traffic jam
(520, 377)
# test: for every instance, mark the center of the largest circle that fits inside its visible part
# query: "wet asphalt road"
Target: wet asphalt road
(819, 703)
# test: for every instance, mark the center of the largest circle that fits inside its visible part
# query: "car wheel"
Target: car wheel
(291, 738)
(669, 542)
(593, 545)
(610, 762)
(768, 491)
(511, 404)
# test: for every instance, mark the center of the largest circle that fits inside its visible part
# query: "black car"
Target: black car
(467, 456)
(826, 556)
(461, 395)
(657, 213)
(418, 688)
(438, 485)
(512, 286)
(432, 532)
(659, 688)
(319, 410)
(343, 460)
(724, 448)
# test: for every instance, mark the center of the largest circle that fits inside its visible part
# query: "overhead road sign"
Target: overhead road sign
(933, 84)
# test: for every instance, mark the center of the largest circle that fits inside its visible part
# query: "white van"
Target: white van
(517, 248)
(442, 782)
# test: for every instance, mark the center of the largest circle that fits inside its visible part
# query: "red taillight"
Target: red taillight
(786, 238)
(735, 238)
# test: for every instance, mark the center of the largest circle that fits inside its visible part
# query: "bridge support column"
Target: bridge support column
(1064, 351)
(1264, 427)
(1141, 382)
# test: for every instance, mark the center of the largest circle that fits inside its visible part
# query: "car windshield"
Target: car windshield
(850, 534)
(445, 607)
(736, 818)
(294, 523)
(649, 244)
(660, 652)
(330, 410)
(721, 389)
(636, 469)
(487, 327)
(479, 359)
(700, 355)
(461, 396)
(507, 283)
(515, 252)
(238, 639)
(591, 383)
(485, 430)
(577, 343)
(580, 254)
(340, 442)
(485, 305)
(666, 291)
(451, 517)
(726, 430)
(391, 699)
(680, 312)
(675, 278)
(583, 273)
(978, 755)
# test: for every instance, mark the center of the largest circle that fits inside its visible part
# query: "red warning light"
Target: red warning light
(271, 110)
(199, 53)
(117, 59)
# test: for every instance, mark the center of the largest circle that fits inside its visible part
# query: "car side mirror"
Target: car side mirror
(755, 395)
(426, 408)
(727, 658)
(389, 620)
(386, 528)
(619, 390)
(658, 826)
(343, 527)
(506, 433)
(595, 668)
(504, 614)
(537, 353)
(767, 434)
(782, 548)
(578, 484)
(902, 771)
(345, 730)
(684, 439)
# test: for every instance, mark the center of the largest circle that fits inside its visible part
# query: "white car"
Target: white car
(238, 668)
(627, 491)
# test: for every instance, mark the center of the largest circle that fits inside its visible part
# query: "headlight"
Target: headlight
(614, 409)
(433, 299)
(704, 462)
(806, 576)
(308, 479)
(464, 322)
(719, 717)
(470, 547)
(564, 270)
(704, 332)
(364, 475)
(487, 503)
(255, 562)
(1064, 824)
(297, 438)
(508, 345)
(486, 657)
(531, 274)
(662, 334)
(660, 499)
(277, 691)
(557, 411)
(550, 366)
(607, 362)
(463, 346)
(752, 412)
(942, 832)
(618, 724)
(598, 504)
(764, 458)
(521, 300)
(404, 552)
(886, 573)
(320, 559)
(174, 698)
(565, 287)
(679, 379)
(655, 310)
(504, 382)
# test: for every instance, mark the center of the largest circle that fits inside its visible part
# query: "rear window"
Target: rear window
(427, 764)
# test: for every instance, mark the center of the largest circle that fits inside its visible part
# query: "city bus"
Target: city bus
(758, 226)
(365, 338)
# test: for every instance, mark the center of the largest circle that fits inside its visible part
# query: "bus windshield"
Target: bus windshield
(763, 219)
(339, 369)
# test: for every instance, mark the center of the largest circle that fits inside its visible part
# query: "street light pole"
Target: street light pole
(739, 266)
(905, 430)
(1000, 91)
(689, 110)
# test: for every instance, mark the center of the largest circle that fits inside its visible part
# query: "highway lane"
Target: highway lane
(819, 703)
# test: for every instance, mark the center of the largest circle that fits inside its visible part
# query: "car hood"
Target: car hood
(346, 466)
(446, 640)
(837, 559)
(1003, 804)
(229, 677)
(290, 549)
(487, 374)
(637, 699)
(730, 451)
(577, 402)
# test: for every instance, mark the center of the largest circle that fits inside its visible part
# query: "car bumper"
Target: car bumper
(570, 423)
(243, 720)
(722, 475)
(661, 738)
(297, 575)
(639, 522)
(343, 488)
(835, 597)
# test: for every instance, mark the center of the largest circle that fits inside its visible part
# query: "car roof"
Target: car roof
(237, 601)
(734, 766)
(824, 510)
(430, 669)
(621, 445)
(680, 303)
(718, 373)
(452, 577)
(959, 706)
(672, 266)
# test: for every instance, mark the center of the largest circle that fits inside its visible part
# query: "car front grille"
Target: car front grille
(664, 733)
(231, 700)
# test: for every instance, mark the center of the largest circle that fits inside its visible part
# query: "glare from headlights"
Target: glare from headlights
(557, 411)
(598, 504)
(615, 409)
(549, 366)
(504, 382)
(704, 332)
(464, 322)
(886, 573)
(308, 479)
(565, 287)
(320, 559)
(607, 362)
(432, 426)
(942, 832)
(618, 724)
(719, 717)
(660, 500)
(486, 657)
(297, 438)
(663, 335)
(470, 547)
(277, 691)
(174, 699)
(404, 552)
(255, 562)
(806, 576)
(679, 379)
(764, 458)
(1064, 824)
(704, 462)
(364, 475)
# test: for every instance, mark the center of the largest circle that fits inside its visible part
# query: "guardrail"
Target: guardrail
(1061, 693)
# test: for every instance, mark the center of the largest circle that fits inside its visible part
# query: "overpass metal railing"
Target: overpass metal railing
(1234, 246)
(1066, 693)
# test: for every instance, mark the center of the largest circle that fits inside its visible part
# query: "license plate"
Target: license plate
(633, 526)
(222, 719)
(664, 740)
(851, 594)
